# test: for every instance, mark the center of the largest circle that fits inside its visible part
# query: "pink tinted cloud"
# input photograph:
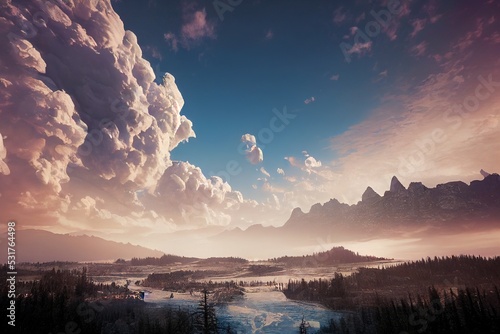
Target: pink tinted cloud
(471, 36)
(154, 51)
(419, 49)
(418, 25)
(172, 41)
(198, 27)
(339, 16)
(360, 48)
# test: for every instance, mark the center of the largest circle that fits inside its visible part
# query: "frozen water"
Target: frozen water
(259, 311)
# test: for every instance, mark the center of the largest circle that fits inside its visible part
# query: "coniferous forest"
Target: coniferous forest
(457, 294)
(65, 301)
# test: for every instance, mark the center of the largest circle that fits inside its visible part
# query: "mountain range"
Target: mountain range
(455, 206)
(401, 212)
(45, 246)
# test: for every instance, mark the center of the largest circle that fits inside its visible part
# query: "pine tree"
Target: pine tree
(206, 319)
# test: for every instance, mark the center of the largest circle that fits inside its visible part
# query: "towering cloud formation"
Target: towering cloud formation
(88, 133)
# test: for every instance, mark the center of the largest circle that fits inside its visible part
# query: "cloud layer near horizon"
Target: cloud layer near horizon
(86, 133)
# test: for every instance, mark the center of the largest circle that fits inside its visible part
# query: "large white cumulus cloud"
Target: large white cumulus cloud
(82, 119)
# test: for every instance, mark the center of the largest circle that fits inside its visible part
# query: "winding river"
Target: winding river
(261, 310)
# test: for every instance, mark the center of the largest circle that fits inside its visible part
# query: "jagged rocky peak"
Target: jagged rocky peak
(453, 187)
(369, 194)
(296, 213)
(417, 187)
(332, 204)
(316, 208)
(484, 173)
(396, 186)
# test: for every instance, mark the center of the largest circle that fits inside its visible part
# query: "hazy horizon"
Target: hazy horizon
(165, 123)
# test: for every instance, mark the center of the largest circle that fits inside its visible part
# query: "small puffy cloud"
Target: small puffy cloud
(195, 28)
(311, 162)
(253, 153)
(280, 171)
(172, 40)
(264, 171)
(248, 139)
(335, 77)
(308, 165)
(294, 162)
(360, 48)
(310, 100)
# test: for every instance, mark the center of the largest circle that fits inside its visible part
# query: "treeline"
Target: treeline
(223, 260)
(176, 279)
(455, 270)
(165, 259)
(462, 312)
(445, 272)
(69, 302)
(404, 298)
(334, 256)
(190, 281)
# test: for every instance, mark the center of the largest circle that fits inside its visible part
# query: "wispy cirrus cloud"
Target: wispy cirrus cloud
(418, 25)
(335, 77)
(419, 49)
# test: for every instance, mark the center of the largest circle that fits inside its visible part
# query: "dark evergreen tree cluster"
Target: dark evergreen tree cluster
(316, 290)
(334, 256)
(168, 259)
(223, 260)
(451, 309)
(64, 301)
(179, 280)
(165, 259)
(464, 270)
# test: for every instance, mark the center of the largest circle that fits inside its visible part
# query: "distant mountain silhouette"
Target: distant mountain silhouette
(45, 246)
(443, 205)
(453, 206)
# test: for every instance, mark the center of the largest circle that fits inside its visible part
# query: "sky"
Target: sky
(267, 106)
